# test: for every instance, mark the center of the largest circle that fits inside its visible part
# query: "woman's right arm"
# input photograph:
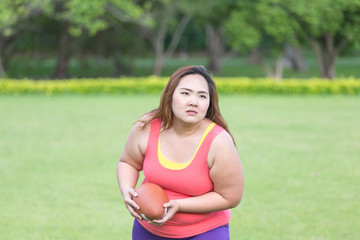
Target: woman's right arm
(130, 164)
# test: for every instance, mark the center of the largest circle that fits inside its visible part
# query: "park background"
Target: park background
(75, 75)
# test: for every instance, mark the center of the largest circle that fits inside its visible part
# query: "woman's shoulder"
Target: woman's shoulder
(139, 134)
(142, 126)
(223, 138)
(144, 123)
(221, 147)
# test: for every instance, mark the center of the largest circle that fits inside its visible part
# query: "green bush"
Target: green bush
(289, 86)
(349, 86)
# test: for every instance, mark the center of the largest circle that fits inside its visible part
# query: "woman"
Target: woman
(185, 147)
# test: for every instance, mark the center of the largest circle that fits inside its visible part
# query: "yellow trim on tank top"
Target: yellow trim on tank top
(178, 166)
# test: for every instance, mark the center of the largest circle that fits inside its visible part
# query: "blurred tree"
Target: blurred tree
(65, 39)
(193, 39)
(11, 14)
(156, 20)
(329, 26)
(122, 43)
(162, 19)
(298, 22)
(212, 14)
(294, 55)
(264, 35)
(6, 46)
(92, 16)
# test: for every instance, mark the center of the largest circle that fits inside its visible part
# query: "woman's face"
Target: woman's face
(191, 99)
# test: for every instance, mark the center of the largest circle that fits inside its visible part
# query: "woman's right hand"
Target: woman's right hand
(130, 204)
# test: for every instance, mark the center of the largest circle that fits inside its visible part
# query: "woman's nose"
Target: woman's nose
(193, 102)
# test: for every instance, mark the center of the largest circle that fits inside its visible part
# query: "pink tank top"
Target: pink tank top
(182, 181)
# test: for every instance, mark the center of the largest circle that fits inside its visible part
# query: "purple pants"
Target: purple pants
(219, 233)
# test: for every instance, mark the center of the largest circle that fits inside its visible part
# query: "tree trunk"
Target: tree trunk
(330, 71)
(158, 41)
(61, 70)
(161, 54)
(158, 66)
(275, 71)
(296, 58)
(215, 47)
(279, 68)
(326, 53)
(6, 47)
(2, 71)
(255, 57)
(325, 60)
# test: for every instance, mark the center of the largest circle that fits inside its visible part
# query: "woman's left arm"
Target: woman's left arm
(227, 175)
(226, 171)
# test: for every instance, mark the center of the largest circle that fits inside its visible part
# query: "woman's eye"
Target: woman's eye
(184, 93)
(203, 96)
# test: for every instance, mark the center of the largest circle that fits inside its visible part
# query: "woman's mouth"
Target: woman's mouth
(191, 112)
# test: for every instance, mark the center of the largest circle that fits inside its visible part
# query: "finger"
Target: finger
(156, 222)
(172, 204)
(133, 192)
(132, 203)
(167, 205)
(169, 215)
(133, 212)
(160, 222)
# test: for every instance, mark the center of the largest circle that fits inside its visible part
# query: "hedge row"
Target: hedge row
(348, 86)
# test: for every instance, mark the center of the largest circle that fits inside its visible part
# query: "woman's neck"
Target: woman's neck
(183, 129)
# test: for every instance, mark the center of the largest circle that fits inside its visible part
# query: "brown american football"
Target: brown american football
(151, 198)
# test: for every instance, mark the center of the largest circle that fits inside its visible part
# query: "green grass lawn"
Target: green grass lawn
(58, 158)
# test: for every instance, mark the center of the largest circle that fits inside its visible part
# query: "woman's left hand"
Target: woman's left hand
(172, 208)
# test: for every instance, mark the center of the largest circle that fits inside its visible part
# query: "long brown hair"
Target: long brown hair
(164, 111)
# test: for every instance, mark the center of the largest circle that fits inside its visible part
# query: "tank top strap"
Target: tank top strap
(155, 127)
(205, 146)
